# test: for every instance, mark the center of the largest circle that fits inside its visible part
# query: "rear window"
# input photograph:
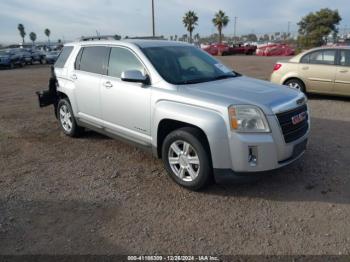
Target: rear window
(62, 58)
(93, 59)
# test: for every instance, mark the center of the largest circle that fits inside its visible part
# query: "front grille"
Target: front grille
(291, 131)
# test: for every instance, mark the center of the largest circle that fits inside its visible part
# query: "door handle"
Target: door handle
(305, 68)
(108, 84)
(343, 71)
(74, 77)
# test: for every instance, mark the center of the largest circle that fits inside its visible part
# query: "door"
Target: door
(90, 64)
(126, 106)
(342, 78)
(318, 71)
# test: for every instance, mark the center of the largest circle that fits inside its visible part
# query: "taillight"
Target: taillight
(277, 67)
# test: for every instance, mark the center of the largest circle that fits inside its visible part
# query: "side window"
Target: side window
(325, 57)
(94, 59)
(121, 60)
(329, 57)
(62, 58)
(78, 59)
(345, 57)
(305, 59)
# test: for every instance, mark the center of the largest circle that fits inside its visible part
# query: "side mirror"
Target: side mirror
(135, 76)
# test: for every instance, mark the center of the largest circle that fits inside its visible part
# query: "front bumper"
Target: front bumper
(268, 151)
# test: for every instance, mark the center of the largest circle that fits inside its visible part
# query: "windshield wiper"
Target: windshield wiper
(195, 81)
(224, 77)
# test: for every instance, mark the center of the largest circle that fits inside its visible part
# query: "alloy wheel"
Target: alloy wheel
(183, 160)
(66, 118)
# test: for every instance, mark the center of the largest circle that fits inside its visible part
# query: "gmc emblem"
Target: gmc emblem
(299, 118)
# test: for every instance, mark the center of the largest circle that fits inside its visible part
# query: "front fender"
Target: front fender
(209, 121)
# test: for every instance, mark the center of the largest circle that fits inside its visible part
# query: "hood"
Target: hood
(270, 97)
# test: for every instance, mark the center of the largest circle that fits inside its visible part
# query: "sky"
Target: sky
(70, 19)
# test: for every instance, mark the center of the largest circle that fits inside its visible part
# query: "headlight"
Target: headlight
(247, 118)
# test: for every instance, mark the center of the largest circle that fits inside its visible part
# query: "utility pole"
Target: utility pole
(153, 26)
(235, 29)
(288, 32)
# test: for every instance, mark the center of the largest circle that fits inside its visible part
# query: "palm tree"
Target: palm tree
(190, 21)
(220, 21)
(32, 37)
(22, 31)
(47, 33)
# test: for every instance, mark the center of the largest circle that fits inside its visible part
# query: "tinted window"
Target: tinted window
(122, 60)
(345, 57)
(62, 58)
(324, 57)
(94, 59)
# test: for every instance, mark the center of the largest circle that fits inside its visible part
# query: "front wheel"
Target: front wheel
(186, 158)
(66, 118)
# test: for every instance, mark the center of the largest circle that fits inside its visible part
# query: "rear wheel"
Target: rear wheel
(66, 118)
(186, 158)
(296, 84)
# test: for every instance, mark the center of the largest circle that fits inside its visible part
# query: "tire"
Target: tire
(66, 119)
(12, 65)
(43, 61)
(191, 166)
(296, 83)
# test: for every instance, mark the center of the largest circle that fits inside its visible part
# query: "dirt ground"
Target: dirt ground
(95, 195)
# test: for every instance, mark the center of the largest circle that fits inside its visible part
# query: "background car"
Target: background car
(37, 56)
(242, 49)
(10, 58)
(275, 50)
(226, 49)
(52, 56)
(217, 49)
(24, 54)
(320, 70)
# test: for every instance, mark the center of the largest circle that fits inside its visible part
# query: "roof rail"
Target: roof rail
(115, 37)
(99, 37)
(148, 37)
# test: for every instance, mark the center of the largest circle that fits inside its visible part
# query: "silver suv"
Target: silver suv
(204, 120)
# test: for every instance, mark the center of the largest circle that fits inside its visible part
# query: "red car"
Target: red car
(275, 50)
(218, 49)
(242, 49)
(225, 49)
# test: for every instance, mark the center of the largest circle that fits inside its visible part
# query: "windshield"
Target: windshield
(186, 65)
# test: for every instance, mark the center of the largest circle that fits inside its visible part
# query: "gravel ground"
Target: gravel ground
(95, 195)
